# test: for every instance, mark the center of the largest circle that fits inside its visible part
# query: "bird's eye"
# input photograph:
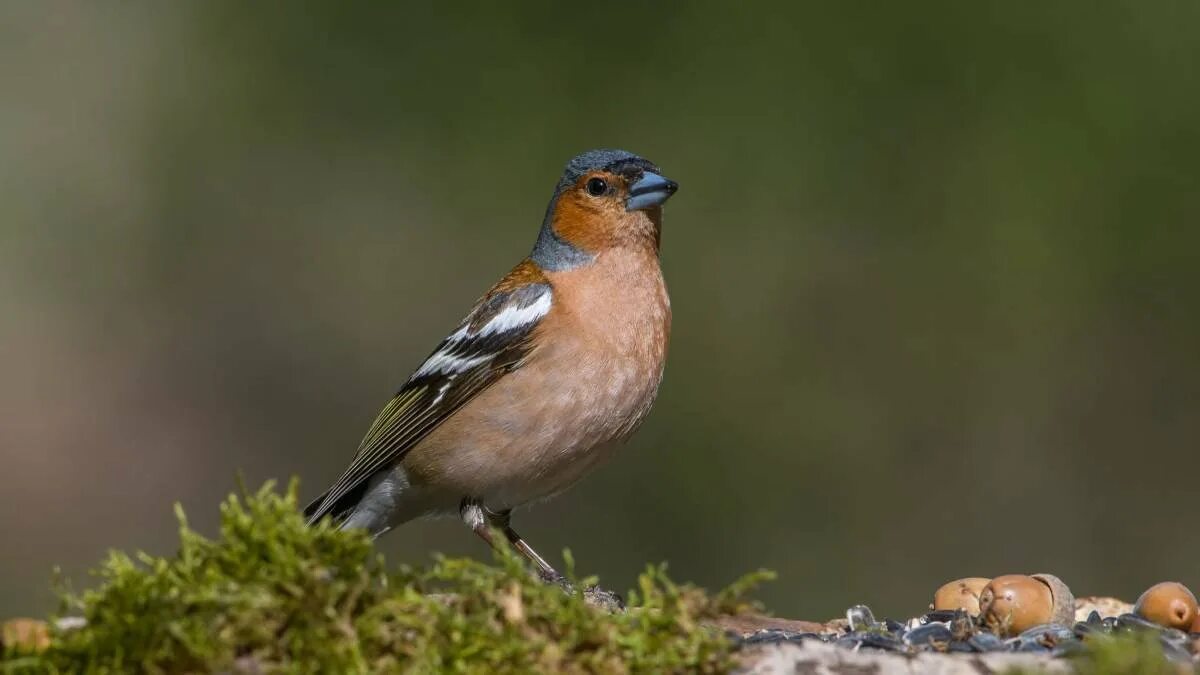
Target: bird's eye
(597, 187)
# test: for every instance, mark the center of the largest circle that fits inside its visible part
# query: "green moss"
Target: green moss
(1133, 653)
(271, 594)
(1127, 654)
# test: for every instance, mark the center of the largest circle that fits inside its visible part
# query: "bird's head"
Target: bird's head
(605, 198)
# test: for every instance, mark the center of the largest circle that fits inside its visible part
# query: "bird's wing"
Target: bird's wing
(493, 340)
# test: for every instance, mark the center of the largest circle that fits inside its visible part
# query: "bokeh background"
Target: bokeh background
(934, 269)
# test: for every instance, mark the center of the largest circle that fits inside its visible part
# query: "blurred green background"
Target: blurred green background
(934, 269)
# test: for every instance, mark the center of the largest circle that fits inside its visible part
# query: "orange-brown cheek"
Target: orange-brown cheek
(584, 225)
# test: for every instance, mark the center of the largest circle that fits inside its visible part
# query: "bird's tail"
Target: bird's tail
(313, 512)
(338, 510)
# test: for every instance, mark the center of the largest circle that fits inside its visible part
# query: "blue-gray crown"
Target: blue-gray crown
(616, 161)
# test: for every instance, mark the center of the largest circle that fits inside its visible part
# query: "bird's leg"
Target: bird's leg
(472, 516)
(481, 520)
(502, 521)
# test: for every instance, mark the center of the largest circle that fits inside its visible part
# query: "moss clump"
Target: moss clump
(1137, 653)
(1133, 653)
(272, 594)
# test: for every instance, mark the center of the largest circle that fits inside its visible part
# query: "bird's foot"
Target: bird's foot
(608, 601)
(593, 595)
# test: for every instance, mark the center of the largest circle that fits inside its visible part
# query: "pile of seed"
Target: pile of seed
(1012, 613)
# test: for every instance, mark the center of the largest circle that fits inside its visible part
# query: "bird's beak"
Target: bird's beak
(649, 190)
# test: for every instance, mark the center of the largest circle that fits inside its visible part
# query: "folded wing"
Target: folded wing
(493, 340)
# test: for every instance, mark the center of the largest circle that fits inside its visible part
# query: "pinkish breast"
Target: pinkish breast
(587, 386)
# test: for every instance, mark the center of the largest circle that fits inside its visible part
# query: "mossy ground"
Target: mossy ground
(271, 594)
(1128, 654)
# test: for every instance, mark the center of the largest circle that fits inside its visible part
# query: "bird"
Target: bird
(556, 365)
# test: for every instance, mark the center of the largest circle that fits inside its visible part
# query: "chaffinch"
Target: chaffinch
(554, 366)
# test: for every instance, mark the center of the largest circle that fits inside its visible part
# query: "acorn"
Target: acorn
(24, 636)
(1169, 604)
(960, 594)
(1014, 603)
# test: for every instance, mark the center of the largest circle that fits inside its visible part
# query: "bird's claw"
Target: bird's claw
(592, 595)
(607, 600)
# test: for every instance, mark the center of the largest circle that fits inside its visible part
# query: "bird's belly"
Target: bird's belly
(539, 429)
